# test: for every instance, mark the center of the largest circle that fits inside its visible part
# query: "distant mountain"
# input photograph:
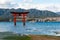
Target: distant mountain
(33, 13)
(58, 13)
(41, 13)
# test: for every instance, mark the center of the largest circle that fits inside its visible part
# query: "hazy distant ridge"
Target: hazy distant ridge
(5, 13)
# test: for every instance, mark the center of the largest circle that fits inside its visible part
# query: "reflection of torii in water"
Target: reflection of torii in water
(23, 14)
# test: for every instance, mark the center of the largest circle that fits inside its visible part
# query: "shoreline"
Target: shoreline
(8, 35)
(44, 37)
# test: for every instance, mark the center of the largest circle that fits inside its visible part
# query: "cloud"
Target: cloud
(3, 1)
(27, 0)
(8, 4)
(27, 4)
(50, 7)
(55, 8)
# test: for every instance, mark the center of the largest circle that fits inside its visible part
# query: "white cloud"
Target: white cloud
(54, 8)
(7, 4)
(27, 0)
(27, 4)
(39, 6)
(4, 1)
(50, 7)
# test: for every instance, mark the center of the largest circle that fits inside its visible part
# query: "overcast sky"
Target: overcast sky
(51, 5)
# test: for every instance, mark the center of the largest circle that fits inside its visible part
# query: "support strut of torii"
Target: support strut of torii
(23, 14)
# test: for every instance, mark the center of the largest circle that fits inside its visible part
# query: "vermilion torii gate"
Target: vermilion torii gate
(23, 14)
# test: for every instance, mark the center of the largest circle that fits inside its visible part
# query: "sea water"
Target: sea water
(36, 28)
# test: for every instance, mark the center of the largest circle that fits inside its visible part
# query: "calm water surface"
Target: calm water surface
(31, 27)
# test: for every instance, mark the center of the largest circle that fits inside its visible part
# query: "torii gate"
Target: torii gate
(23, 14)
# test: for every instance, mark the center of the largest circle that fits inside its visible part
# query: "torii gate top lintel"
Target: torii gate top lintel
(19, 12)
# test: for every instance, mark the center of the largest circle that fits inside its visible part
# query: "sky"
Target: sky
(51, 5)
